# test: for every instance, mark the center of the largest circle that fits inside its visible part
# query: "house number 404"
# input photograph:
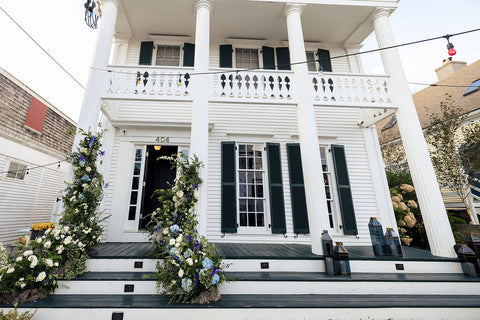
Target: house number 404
(162, 139)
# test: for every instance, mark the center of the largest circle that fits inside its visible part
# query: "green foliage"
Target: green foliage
(84, 194)
(190, 265)
(407, 213)
(456, 159)
(15, 315)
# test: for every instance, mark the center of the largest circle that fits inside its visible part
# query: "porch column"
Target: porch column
(201, 90)
(90, 112)
(307, 130)
(434, 215)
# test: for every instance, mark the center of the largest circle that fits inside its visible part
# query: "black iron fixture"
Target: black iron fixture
(92, 13)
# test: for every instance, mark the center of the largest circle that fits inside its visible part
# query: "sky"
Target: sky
(58, 26)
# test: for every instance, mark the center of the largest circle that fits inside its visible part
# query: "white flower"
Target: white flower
(172, 242)
(165, 231)
(32, 258)
(190, 261)
(22, 285)
(73, 198)
(27, 253)
(40, 276)
(56, 264)
(179, 238)
(177, 245)
(60, 249)
(39, 240)
(48, 231)
(66, 229)
(34, 264)
(180, 194)
(88, 169)
(80, 244)
(49, 262)
(67, 240)
(10, 270)
(21, 279)
(181, 273)
(19, 259)
(47, 244)
(83, 150)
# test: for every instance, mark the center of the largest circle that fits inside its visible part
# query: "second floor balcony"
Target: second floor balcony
(258, 86)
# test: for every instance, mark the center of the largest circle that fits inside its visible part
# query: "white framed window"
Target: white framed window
(330, 188)
(246, 58)
(168, 55)
(251, 187)
(16, 170)
(312, 63)
(136, 188)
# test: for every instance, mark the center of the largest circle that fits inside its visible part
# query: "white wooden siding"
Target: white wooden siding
(23, 203)
(154, 111)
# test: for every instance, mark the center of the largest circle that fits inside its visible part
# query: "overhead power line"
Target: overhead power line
(45, 51)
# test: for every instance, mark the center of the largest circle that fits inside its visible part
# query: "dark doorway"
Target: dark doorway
(159, 174)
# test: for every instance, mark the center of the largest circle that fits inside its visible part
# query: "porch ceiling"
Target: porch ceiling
(245, 19)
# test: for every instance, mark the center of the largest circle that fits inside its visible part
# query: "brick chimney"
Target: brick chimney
(449, 67)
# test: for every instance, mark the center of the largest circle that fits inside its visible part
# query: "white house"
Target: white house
(271, 96)
(33, 147)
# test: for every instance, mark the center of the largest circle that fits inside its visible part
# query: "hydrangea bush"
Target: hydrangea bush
(191, 271)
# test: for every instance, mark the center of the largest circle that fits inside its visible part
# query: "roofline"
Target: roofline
(36, 95)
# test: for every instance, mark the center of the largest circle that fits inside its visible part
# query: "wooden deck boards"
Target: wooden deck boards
(143, 250)
(343, 301)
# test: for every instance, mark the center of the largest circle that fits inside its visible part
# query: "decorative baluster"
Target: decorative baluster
(247, 86)
(385, 84)
(368, 91)
(355, 90)
(129, 81)
(170, 79)
(315, 87)
(178, 87)
(271, 84)
(161, 84)
(362, 91)
(111, 81)
(153, 80)
(186, 82)
(223, 83)
(287, 86)
(280, 86)
(238, 80)
(255, 86)
(264, 87)
(145, 82)
(230, 84)
(347, 90)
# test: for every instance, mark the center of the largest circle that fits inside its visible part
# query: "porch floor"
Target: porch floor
(143, 250)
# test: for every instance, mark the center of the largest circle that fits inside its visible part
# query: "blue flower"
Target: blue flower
(187, 254)
(175, 228)
(81, 196)
(102, 153)
(196, 186)
(92, 141)
(187, 285)
(81, 163)
(215, 279)
(207, 263)
(85, 178)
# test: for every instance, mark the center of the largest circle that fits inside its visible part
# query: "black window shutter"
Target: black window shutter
(277, 205)
(229, 187)
(268, 55)
(324, 60)
(188, 54)
(344, 190)
(226, 56)
(146, 52)
(283, 58)
(297, 189)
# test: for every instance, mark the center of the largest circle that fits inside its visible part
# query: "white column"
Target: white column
(201, 90)
(307, 131)
(434, 215)
(90, 112)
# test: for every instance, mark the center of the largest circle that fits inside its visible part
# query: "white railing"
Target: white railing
(351, 90)
(262, 86)
(149, 83)
(252, 86)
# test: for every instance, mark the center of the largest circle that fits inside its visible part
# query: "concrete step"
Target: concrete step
(290, 283)
(258, 306)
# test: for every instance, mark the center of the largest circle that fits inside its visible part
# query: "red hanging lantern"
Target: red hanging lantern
(450, 48)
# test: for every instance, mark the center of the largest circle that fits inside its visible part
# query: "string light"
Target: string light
(27, 170)
(450, 48)
(58, 167)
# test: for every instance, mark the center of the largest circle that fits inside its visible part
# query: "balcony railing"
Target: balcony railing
(262, 86)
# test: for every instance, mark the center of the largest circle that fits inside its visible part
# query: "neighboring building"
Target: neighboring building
(33, 140)
(460, 81)
(289, 147)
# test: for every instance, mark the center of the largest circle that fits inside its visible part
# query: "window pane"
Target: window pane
(135, 183)
(168, 56)
(311, 61)
(327, 193)
(243, 219)
(251, 191)
(133, 197)
(243, 163)
(258, 150)
(251, 177)
(243, 190)
(259, 205)
(260, 222)
(258, 177)
(250, 163)
(242, 177)
(136, 168)
(251, 205)
(258, 163)
(132, 213)
(138, 155)
(260, 191)
(243, 205)
(251, 220)
(21, 174)
(246, 58)
(250, 150)
(241, 150)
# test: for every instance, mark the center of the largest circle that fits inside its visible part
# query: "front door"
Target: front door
(158, 174)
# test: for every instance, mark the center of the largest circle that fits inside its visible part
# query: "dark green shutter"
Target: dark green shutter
(277, 205)
(268, 55)
(297, 189)
(283, 58)
(188, 54)
(324, 60)
(146, 52)
(344, 190)
(226, 56)
(229, 188)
